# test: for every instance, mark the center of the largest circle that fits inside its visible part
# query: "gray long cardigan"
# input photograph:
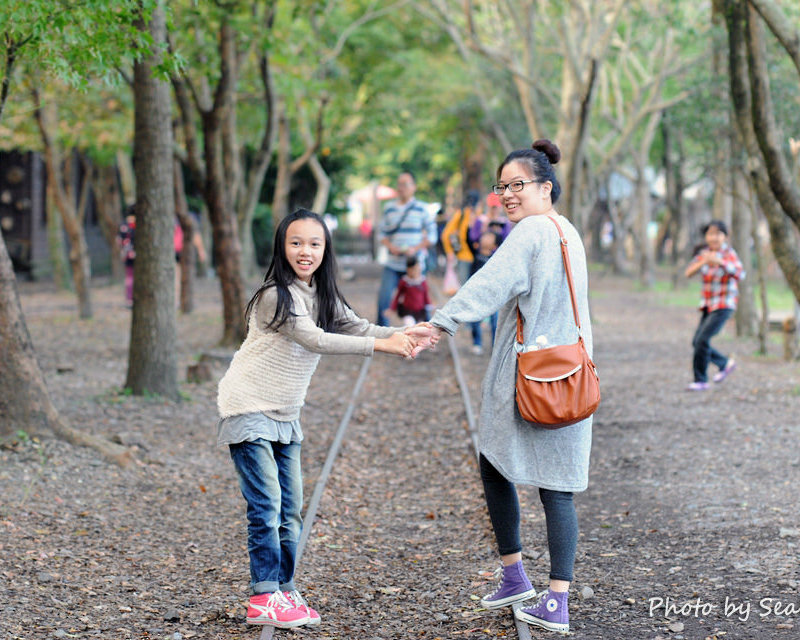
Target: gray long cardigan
(527, 268)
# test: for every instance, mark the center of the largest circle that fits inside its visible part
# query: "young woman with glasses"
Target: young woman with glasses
(527, 270)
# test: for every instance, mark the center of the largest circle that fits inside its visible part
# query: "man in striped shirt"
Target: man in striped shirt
(407, 229)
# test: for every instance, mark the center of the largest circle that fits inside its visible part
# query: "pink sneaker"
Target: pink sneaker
(299, 601)
(275, 610)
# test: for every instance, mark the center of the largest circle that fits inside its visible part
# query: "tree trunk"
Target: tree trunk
(188, 262)
(618, 259)
(109, 208)
(283, 180)
(207, 167)
(152, 360)
(782, 231)
(644, 214)
(741, 239)
(323, 185)
(761, 272)
(25, 404)
(227, 251)
(246, 206)
(70, 207)
(55, 244)
(127, 180)
(473, 164)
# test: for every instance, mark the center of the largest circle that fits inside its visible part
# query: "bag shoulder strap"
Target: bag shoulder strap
(568, 270)
(400, 222)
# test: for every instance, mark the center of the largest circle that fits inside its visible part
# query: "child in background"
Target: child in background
(487, 245)
(721, 270)
(125, 237)
(297, 314)
(411, 300)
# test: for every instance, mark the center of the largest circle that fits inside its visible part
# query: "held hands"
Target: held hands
(426, 336)
(410, 342)
(398, 343)
(711, 258)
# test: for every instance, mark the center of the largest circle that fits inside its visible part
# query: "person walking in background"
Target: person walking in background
(487, 245)
(455, 235)
(492, 220)
(125, 237)
(407, 229)
(527, 272)
(721, 271)
(297, 314)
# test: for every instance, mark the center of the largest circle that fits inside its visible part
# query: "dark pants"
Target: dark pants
(389, 281)
(560, 517)
(711, 324)
(477, 334)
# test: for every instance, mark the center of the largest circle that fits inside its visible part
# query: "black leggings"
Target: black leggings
(560, 516)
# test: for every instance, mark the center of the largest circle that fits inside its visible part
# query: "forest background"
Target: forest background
(245, 110)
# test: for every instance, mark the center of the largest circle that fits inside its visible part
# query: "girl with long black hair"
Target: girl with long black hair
(296, 315)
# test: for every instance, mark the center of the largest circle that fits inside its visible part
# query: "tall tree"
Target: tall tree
(755, 118)
(152, 360)
(210, 154)
(61, 185)
(52, 33)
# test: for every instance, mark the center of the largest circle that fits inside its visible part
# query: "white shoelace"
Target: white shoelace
(278, 601)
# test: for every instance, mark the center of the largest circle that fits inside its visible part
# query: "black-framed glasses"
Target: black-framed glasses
(514, 187)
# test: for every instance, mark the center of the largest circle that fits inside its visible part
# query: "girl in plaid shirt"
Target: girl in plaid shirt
(721, 271)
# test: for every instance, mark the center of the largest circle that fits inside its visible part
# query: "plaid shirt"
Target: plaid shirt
(721, 283)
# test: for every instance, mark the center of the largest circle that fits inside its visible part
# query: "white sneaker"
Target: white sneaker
(477, 349)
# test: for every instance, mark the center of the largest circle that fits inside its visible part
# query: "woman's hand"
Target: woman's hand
(426, 336)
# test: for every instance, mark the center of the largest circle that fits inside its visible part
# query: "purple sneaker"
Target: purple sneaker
(515, 588)
(551, 612)
(728, 370)
(698, 386)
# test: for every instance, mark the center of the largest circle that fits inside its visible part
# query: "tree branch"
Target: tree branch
(351, 28)
(781, 27)
(766, 129)
(311, 148)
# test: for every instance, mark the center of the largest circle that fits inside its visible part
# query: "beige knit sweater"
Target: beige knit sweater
(271, 371)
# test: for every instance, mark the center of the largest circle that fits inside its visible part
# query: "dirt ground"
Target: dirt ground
(689, 528)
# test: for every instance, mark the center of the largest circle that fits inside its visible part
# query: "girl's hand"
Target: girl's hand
(712, 258)
(399, 344)
(426, 336)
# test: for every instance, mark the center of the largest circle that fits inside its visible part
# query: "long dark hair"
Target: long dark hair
(280, 275)
(540, 159)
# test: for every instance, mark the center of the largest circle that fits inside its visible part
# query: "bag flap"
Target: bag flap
(552, 363)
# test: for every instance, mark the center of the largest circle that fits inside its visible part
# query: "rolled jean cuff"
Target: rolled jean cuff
(265, 586)
(288, 586)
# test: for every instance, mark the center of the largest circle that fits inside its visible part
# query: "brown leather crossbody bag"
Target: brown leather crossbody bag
(557, 386)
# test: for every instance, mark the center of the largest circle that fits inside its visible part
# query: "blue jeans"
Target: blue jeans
(272, 484)
(561, 520)
(710, 325)
(477, 337)
(389, 281)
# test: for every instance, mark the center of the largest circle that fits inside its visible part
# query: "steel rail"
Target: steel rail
(313, 504)
(523, 631)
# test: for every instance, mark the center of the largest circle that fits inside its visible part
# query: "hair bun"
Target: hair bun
(549, 149)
